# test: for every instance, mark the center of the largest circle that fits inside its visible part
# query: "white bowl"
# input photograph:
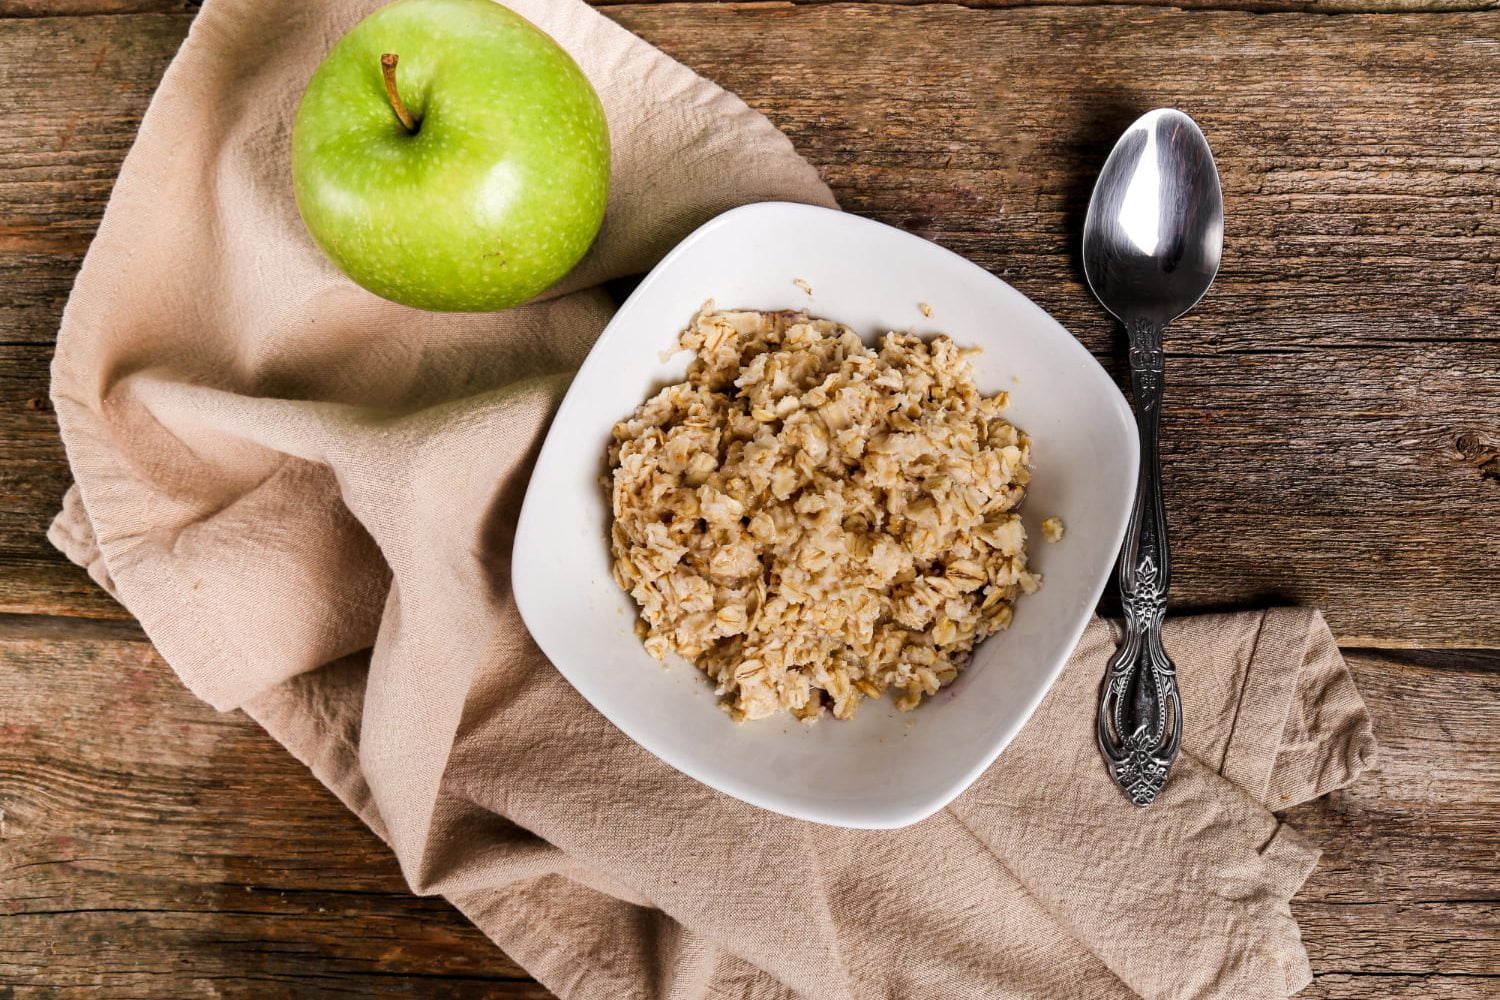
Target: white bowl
(884, 768)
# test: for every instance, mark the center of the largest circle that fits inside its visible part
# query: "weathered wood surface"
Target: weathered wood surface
(1333, 437)
(150, 845)
(59, 8)
(1422, 987)
(1409, 882)
(1334, 406)
(33, 475)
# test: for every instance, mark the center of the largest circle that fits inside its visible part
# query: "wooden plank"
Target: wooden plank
(61, 8)
(1456, 938)
(81, 8)
(139, 823)
(1257, 6)
(1324, 525)
(1407, 884)
(1419, 828)
(33, 477)
(75, 91)
(315, 945)
(1344, 986)
(150, 847)
(1332, 413)
(60, 156)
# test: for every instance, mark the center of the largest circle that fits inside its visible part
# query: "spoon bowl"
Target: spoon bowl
(1155, 227)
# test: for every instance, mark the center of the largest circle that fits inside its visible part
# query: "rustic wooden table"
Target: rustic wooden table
(1333, 438)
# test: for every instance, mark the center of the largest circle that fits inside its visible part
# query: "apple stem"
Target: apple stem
(388, 70)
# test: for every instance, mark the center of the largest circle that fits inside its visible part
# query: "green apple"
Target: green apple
(449, 155)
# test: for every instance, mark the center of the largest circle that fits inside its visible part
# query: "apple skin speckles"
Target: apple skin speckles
(512, 150)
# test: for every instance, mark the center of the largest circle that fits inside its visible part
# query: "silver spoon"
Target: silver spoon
(1151, 247)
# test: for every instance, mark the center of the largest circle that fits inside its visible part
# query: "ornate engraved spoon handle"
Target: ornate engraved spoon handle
(1140, 712)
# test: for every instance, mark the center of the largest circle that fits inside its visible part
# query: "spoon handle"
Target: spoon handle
(1140, 712)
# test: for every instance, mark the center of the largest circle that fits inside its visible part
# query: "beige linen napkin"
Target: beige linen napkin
(307, 496)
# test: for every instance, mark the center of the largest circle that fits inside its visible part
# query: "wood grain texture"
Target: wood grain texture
(33, 477)
(1333, 436)
(1438, 780)
(82, 8)
(82, 85)
(1333, 414)
(1408, 884)
(64, 8)
(1428, 986)
(150, 845)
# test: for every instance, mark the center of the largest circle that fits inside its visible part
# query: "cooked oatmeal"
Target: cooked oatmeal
(811, 521)
(1052, 529)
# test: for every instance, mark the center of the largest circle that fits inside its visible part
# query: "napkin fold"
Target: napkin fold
(307, 496)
